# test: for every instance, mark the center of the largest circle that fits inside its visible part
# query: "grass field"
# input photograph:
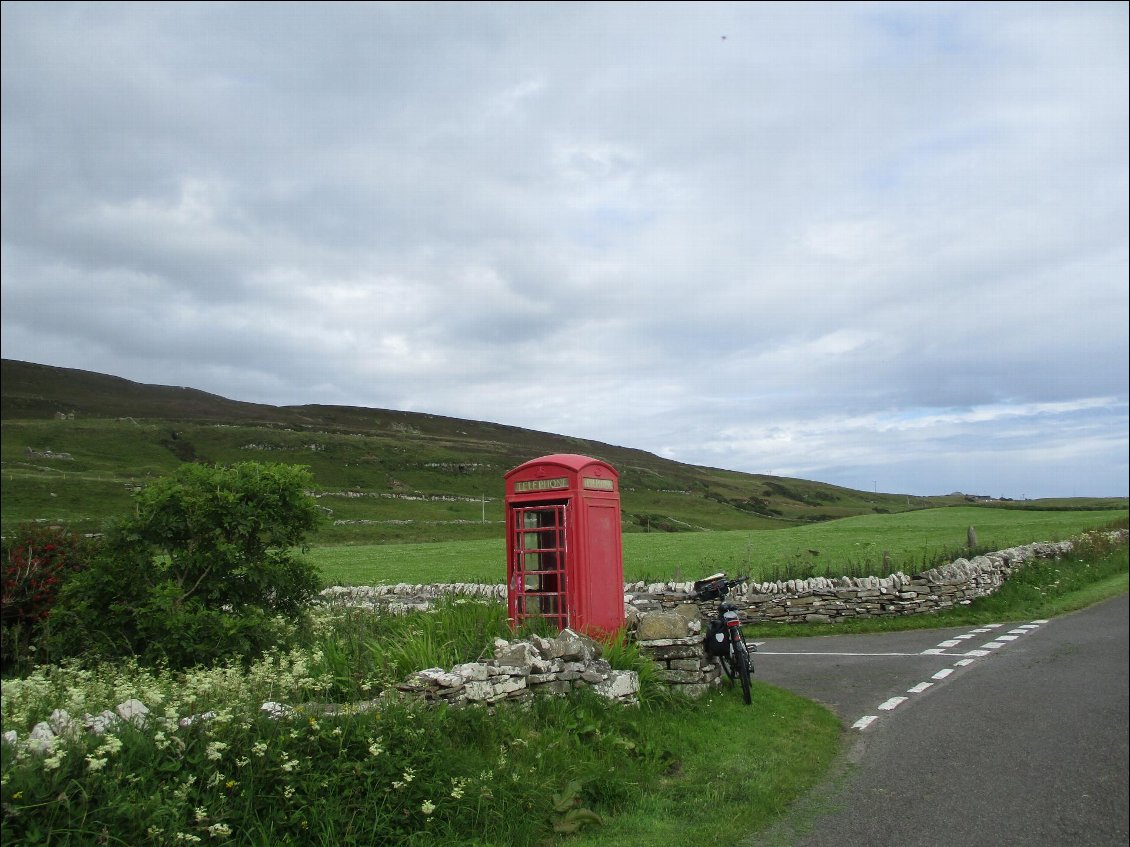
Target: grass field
(912, 540)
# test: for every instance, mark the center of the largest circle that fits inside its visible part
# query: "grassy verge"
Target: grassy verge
(739, 768)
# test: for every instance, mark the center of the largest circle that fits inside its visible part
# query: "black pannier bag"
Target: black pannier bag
(711, 588)
(715, 642)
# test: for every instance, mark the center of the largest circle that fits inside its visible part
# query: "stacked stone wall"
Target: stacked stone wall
(673, 640)
(818, 599)
(665, 621)
(828, 600)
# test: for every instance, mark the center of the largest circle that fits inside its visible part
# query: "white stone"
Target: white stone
(206, 716)
(63, 724)
(440, 677)
(478, 691)
(620, 684)
(276, 710)
(42, 738)
(522, 654)
(510, 685)
(472, 671)
(101, 722)
(133, 711)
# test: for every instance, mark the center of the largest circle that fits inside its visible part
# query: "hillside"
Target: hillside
(76, 444)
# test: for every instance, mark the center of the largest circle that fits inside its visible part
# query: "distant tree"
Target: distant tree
(203, 569)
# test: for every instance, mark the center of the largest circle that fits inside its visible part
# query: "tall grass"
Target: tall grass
(363, 652)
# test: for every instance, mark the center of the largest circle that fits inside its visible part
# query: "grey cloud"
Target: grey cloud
(835, 212)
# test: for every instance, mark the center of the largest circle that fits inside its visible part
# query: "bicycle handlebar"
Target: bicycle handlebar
(717, 586)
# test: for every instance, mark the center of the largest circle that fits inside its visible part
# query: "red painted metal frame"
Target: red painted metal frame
(540, 549)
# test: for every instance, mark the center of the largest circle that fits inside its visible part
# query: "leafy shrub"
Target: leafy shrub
(202, 570)
(37, 562)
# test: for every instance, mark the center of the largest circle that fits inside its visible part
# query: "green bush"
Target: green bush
(202, 570)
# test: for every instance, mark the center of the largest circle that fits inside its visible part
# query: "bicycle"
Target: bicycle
(724, 639)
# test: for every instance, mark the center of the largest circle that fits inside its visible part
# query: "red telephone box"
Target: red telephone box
(564, 559)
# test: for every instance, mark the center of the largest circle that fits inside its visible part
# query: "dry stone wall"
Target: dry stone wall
(827, 600)
(666, 621)
(819, 599)
(673, 640)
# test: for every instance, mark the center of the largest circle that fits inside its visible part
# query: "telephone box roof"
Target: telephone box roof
(570, 461)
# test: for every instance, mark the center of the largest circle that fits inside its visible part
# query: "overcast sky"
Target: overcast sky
(879, 245)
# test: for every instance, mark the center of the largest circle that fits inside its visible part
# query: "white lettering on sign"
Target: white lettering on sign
(542, 484)
(599, 484)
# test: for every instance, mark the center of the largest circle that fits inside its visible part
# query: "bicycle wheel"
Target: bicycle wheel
(728, 667)
(741, 668)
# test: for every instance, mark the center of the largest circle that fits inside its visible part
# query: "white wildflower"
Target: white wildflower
(215, 750)
(93, 765)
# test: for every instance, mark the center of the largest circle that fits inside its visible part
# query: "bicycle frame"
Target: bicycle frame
(737, 662)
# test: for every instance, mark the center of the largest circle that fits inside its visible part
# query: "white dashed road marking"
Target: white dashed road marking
(971, 656)
(892, 703)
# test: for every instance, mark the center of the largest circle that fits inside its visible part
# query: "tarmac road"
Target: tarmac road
(1014, 734)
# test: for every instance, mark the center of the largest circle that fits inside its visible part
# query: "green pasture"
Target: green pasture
(911, 540)
(409, 479)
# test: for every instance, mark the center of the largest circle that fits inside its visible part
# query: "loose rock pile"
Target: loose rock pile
(521, 669)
